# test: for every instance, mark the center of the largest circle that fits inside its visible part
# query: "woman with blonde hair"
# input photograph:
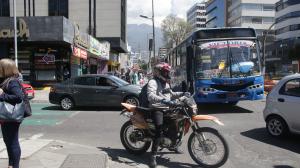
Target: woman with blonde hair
(11, 92)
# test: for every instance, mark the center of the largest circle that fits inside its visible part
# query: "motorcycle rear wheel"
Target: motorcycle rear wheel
(128, 144)
(213, 143)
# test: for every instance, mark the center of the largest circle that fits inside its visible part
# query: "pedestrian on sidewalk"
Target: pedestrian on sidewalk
(13, 94)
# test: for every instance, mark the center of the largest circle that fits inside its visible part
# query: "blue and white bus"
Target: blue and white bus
(221, 65)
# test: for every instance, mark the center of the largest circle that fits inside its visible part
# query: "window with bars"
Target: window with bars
(4, 8)
(59, 8)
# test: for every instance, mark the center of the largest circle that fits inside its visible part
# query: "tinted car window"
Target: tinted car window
(85, 81)
(102, 81)
(119, 81)
(291, 88)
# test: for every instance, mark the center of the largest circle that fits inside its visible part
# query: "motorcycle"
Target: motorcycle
(206, 146)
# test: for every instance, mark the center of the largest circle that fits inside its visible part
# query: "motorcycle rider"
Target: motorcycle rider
(160, 95)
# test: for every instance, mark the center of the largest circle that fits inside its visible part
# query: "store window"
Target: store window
(58, 8)
(4, 8)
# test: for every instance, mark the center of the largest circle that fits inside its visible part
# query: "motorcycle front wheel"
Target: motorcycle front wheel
(128, 139)
(208, 148)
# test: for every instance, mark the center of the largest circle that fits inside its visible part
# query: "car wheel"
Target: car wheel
(66, 103)
(132, 100)
(276, 126)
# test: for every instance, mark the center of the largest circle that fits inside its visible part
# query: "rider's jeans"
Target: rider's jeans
(158, 118)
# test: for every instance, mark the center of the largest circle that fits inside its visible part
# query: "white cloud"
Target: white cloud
(162, 8)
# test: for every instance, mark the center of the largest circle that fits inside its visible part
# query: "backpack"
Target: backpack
(143, 96)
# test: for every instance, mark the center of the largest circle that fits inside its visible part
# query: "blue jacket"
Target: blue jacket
(13, 93)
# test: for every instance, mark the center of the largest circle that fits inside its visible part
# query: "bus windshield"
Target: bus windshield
(227, 59)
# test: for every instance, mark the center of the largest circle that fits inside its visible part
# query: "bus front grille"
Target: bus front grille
(231, 87)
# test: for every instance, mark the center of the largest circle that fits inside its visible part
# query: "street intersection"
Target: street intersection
(250, 145)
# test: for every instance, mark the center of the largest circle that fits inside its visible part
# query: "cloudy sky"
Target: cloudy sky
(162, 8)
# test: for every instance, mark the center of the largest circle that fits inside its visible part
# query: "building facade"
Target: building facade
(91, 37)
(216, 13)
(280, 60)
(196, 16)
(258, 14)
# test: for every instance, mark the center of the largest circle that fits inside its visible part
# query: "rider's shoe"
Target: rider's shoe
(177, 149)
(153, 163)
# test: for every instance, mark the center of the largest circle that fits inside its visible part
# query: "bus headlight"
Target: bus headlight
(206, 90)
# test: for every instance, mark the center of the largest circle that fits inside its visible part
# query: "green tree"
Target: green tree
(174, 30)
(144, 67)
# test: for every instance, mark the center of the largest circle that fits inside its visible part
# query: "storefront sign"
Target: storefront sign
(81, 39)
(23, 31)
(80, 53)
(105, 49)
(95, 46)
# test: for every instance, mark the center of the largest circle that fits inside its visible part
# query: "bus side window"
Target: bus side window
(189, 64)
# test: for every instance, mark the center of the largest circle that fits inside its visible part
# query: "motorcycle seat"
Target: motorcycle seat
(144, 109)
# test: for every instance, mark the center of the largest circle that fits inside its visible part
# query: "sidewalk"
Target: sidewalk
(41, 153)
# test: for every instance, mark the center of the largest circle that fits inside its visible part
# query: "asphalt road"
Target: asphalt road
(250, 145)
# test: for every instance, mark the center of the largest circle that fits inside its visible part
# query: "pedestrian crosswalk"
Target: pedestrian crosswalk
(46, 115)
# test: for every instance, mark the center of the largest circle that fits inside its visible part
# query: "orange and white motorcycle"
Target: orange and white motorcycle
(206, 145)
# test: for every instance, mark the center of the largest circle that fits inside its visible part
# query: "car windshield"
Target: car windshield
(227, 59)
(119, 81)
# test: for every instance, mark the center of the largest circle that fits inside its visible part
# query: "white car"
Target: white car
(282, 111)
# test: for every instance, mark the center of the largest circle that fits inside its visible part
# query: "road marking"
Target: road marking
(36, 136)
(72, 115)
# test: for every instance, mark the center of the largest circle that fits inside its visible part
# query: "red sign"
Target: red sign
(80, 53)
(83, 54)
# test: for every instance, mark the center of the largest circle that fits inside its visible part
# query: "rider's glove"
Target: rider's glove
(187, 94)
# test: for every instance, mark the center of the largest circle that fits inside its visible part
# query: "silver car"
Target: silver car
(282, 111)
(93, 90)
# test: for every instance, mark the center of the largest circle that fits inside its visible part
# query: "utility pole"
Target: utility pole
(15, 34)
(153, 27)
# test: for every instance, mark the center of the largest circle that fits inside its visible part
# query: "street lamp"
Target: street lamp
(153, 27)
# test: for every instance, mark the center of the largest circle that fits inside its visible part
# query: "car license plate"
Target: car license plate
(29, 94)
(231, 94)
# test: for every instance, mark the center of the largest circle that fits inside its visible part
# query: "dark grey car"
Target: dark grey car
(93, 90)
